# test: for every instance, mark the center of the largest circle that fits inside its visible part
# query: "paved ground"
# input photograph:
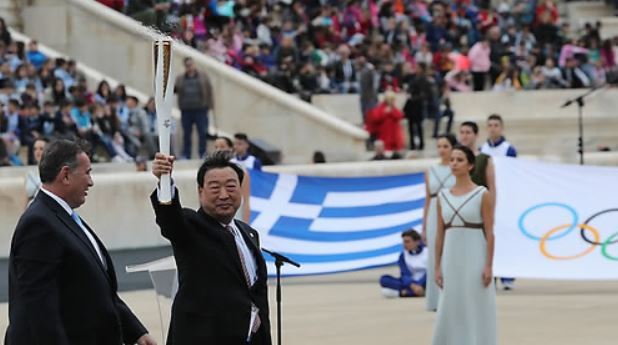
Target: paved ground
(348, 309)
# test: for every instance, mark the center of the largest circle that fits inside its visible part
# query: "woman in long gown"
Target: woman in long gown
(437, 177)
(464, 259)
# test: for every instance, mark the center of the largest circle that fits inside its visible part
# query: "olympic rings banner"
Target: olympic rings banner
(555, 221)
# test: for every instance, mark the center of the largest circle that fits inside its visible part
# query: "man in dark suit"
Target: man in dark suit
(62, 286)
(222, 296)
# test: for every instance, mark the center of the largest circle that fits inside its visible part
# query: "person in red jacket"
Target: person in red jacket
(384, 123)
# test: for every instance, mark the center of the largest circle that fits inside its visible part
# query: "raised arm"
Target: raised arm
(487, 212)
(169, 217)
(439, 245)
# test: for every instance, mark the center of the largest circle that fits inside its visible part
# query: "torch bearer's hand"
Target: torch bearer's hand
(162, 164)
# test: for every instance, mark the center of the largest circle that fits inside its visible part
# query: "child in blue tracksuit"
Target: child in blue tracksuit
(413, 266)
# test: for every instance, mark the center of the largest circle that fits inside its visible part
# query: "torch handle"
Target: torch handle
(165, 197)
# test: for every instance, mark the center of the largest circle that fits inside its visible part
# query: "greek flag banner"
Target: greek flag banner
(335, 224)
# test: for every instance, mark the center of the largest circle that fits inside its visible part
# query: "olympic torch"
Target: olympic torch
(164, 90)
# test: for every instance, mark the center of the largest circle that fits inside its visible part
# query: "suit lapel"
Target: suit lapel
(108, 260)
(248, 236)
(64, 217)
(77, 231)
(228, 241)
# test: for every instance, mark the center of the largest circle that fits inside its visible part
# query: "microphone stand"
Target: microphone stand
(580, 118)
(279, 261)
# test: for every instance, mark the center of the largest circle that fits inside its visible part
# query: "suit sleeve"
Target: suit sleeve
(37, 254)
(169, 217)
(132, 329)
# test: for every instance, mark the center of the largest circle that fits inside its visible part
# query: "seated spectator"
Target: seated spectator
(104, 92)
(119, 148)
(65, 125)
(459, 81)
(424, 55)
(552, 75)
(12, 124)
(21, 78)
(34, 55)
(12, 147)
(48, 120)
(62, 72)
(508, 79)
(105, 124)
(31, 130)
(413, 269)
(57, 92)
(82, 117)
(308, 82)
(33, 179)
(153, 128)
(574, 76)
(139, 130)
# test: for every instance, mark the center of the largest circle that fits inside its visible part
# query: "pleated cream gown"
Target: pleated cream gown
(439, 177)
(466, 309)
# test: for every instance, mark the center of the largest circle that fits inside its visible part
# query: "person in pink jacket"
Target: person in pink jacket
(479, 63)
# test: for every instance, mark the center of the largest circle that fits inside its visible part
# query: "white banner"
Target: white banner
(556, 221)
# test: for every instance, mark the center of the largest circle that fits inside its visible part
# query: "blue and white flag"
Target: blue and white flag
(335, 224)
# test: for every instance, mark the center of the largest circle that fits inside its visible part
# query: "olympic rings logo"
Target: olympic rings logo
(564, 229)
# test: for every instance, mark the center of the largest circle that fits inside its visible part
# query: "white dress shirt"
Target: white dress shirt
(248, 258)
(70, 211)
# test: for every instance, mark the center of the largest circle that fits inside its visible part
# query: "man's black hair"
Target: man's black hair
(217, 160)
(413, 234)
(472, 125)
(59, 154)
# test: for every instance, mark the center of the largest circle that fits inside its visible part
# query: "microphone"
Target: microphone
(281, 258)
(580, 99)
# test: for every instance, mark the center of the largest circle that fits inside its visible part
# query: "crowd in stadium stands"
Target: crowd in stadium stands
(41, 97)
(426, 49)
(321, 46)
